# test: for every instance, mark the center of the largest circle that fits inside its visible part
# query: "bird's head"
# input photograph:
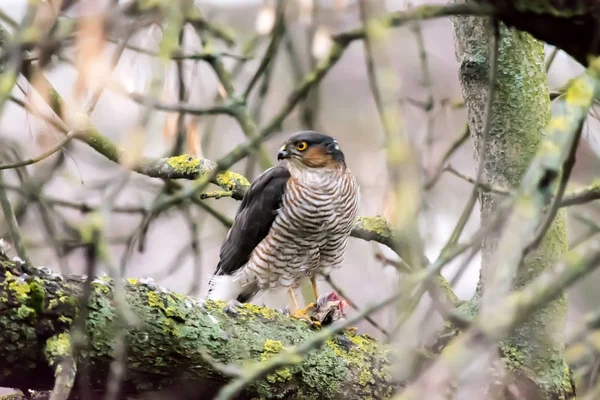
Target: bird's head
(313, 150)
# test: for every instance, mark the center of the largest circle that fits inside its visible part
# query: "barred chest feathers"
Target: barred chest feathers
(323, 201)
(311, 229)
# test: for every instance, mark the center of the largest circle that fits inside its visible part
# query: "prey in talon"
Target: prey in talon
(293, 224)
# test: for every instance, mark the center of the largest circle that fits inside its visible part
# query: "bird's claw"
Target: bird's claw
(304, 314)
(232, 307)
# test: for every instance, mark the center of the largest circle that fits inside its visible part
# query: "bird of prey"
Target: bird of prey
(293, 223)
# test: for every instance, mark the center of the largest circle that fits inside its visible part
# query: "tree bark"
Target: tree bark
(570, 25)
(179, 343)
(519, 116)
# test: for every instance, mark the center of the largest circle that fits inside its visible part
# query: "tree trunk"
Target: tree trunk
(519, 116)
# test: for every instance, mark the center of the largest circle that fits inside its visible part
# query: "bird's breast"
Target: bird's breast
(320, 205)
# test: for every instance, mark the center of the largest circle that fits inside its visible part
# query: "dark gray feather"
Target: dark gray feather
(253, 220)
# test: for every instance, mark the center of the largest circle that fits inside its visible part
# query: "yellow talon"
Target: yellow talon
(303, 313)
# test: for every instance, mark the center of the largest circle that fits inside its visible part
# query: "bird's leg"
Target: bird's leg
(298, 313)
(293, 296)
(313, 280)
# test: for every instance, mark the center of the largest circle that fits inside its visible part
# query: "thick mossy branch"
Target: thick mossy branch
(572, 25)
(179, 342)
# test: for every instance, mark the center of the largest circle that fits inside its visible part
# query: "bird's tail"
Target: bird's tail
(229, 287)
(224, 287)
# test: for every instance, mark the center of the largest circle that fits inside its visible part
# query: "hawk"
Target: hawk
(293, 223)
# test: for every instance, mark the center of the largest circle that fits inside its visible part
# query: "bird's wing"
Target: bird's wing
(253, 220)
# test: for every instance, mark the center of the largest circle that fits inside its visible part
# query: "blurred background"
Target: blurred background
(342, 106)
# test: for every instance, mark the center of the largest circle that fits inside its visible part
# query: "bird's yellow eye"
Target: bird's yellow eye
(301, 146)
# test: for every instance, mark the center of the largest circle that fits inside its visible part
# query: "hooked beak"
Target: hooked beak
(283, 154)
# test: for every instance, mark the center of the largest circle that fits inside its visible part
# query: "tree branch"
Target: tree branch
(179, 343)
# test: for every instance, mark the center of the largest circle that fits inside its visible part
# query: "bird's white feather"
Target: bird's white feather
(224, 287)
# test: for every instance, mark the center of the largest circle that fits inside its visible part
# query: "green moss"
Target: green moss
(171, 305)
(511, 355)
(36, 295)
(184, 164)
(61, 299)
(25, 313)
(58, 346)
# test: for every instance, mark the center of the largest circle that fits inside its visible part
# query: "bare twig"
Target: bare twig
(13, 226)
(562, 186)
(352, 304)
(268, 58)
(456, 144)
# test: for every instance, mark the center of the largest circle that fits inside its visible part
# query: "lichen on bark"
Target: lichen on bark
(519, 117)
(178, 342)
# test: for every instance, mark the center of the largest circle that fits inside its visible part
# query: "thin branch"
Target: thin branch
(455, 145)
(268, 58)
(562, 186)
(551, 58)
(178, 54)
(482, 186)
(12, 224)
(59, 146)
(241, 114)
(181, 108)
(426, 83)
(421, 13)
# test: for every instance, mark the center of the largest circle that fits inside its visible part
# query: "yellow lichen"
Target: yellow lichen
(559, 123)
(358, 356)
(132, 281)
(184, 164)
(272, 347)
(265, 312)
(229, 180)
(154, 300)
(170, 326)
(579, 93)
(58, 346)
(20, 290)
(365, 377)
(377, 224)
(102, 288)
